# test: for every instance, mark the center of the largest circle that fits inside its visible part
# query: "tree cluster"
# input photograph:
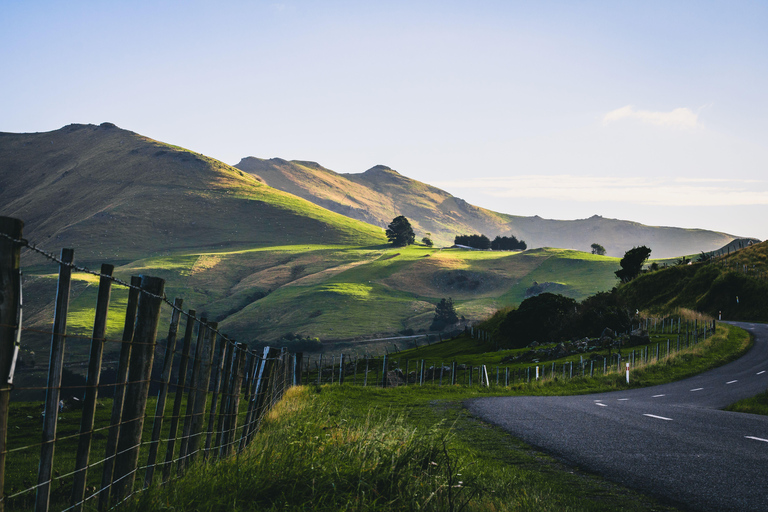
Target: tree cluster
(549, 317)
(508, 243)
(474, 241)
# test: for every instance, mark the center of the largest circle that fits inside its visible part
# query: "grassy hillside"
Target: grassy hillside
(113, 194)
(380, 194)
(708, 287)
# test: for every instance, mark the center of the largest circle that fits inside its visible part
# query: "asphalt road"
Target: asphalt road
(671, 441)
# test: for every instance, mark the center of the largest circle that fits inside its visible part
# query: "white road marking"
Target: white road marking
(731, 382)
(657, 396)
(658, 417)
(697, 389)
(760, 373)
(757, 438)
(622, 399)
(601, 405)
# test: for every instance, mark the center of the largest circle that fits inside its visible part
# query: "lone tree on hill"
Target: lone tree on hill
(400, 232)
(445, 314)
(632, 263)
(598, 249)
(427, 240)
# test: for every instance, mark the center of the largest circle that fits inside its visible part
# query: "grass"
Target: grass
(349, 447)
(755, 405)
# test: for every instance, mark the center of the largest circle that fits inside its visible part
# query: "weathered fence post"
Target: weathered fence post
(53, 391)
(201, 393)
(165, 378)
(226, 374)
(92, 389)
(219, 386)
(181, 384)
(297, 375)
(137, 389)
(233, 400)
(10, 319)
(195, 377)
(119, 394)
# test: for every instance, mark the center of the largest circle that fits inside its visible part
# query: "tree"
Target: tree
(400, 233)
(474, 241)
(445, 314)
(427, 240)
(503, 243)
(632, 263)
(539, 318)
(598, 249)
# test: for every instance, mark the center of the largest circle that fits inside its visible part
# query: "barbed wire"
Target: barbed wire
(29, 245)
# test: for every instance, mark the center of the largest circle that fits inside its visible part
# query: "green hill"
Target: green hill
(735, 285)
(380, 194)
(115, 195)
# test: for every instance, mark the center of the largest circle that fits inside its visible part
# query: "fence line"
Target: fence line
(208, 390)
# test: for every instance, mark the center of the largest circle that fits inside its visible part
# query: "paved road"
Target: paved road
(670, 440)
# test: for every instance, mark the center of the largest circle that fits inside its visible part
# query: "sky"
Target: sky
(649, 111)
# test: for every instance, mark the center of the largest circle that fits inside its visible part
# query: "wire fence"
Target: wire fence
(654, 340)
(94, 443)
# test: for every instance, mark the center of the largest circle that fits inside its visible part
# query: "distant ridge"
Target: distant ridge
(379, 194)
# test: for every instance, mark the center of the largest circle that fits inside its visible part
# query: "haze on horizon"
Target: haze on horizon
(647, 111)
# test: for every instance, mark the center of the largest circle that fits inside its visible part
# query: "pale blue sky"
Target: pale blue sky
(655, 112)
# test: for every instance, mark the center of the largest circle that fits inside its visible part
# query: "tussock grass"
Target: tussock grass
(755, 405)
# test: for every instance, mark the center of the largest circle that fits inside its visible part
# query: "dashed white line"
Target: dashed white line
(731, 382)
(601, 405)
(697, 389)
(760, 373)
(622, 399)
(757, 438)
(657, 396)
(658, 417)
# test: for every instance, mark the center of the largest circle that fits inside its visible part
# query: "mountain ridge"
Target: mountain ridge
(380, 193)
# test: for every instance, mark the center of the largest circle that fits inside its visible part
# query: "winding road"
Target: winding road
(670, 441)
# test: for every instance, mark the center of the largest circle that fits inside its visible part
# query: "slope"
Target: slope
(117, 195)
(380, 193)
(734, 286)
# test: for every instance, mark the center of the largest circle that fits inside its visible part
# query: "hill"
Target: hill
(380, 194)
(113, 194)
(260, 261)
(735, 285)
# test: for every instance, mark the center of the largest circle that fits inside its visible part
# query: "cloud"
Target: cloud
(647, 191)
(677, 118)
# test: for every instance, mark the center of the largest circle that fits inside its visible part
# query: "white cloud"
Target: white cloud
(630, 190)
(677, 118)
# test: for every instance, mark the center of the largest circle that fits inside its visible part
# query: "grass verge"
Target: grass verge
(755, 405)
(412, 448)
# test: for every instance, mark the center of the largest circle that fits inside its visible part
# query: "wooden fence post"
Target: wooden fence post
(195, 377)
(165, 378)
(226, 375)
(117, 401)
(181, 386)
(256, 360)
(92, 389)
(10, 302)
(218, 377)
(137, 389)
(233, 400)
(53, 391)
(258, 396)
(297, 375)
(201, 398)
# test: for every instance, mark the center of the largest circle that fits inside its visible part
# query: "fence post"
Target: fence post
(10, 325)
(201, 392)
(341, 369)
(224, 390)
(219, 387)
(384, 372)
(251, 399)
(119, 395)
(298, 377)
(259, 393)
(181, 385)
(92, 389)
(233, 400)
(137, 390)
(202, 328)
(165, 378)
(53, 391)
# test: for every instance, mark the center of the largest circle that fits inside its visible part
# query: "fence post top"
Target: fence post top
(11, 226)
